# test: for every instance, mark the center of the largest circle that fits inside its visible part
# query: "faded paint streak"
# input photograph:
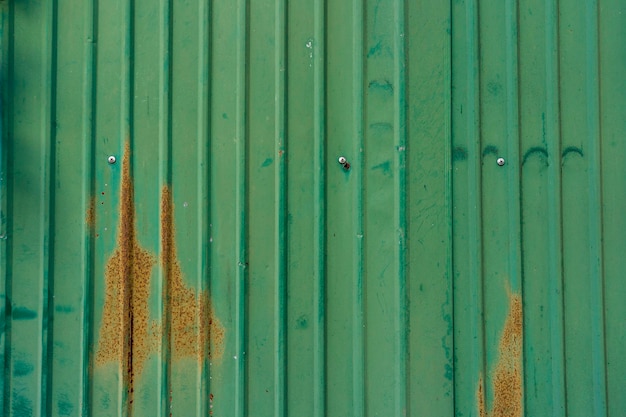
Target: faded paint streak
(125, 330)
(193, 325)
(507, 375)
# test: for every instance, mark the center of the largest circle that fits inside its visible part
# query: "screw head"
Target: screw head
(111, 159)
(342, 160)
(500, 161)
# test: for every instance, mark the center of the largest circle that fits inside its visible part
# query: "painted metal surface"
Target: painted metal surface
(227, 264)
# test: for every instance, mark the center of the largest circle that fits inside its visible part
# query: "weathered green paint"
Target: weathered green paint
(424, 280)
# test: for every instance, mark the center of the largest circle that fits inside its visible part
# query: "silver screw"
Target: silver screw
(342, 160)
(111, 159)
(500, 161)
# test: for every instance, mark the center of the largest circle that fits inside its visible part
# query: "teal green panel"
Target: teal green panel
(345, 356)
(582, 250)
(74, 213)
(269, 150)
(384, 196)
(180, 234)
(31, 150)
(541, 209)
(227, 210)
(428, 176)
(305, 383)
(4, 207)
(150, 113)
(612, 52)
(110, 107)
(469, 347)
(502, 390)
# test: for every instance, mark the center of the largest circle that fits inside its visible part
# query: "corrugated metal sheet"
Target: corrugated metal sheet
(226, 264)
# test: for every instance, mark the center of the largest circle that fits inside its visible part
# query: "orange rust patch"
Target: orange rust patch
(507, 375)
(124, 333)
(480, 397)
(193, 324)
(507, 379)
(90, 214)
(127, 334)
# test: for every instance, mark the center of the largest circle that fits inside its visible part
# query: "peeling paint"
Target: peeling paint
(507, 375)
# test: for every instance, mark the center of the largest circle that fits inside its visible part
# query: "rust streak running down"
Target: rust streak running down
(193, 324)
(507, 375)
(127, 334)
(125, 331)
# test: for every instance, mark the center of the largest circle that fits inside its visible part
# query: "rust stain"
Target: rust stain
(194, 329)
(125, 331)
(90, 214)
(127, 334)
(507, 375)
(480, 397)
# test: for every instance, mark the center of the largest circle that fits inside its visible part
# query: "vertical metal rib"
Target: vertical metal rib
(555, 232)
(513, 142)
(4, 98)
(8, 244)
(89, 187)
(474, 187)
(126, 109)
(593, 151)
(319, 211)
(126, 104)
(281, 209)
(203, 181)
(241, 206)
(165, 179)
(47, 213)
(400, 195)
(358, 335)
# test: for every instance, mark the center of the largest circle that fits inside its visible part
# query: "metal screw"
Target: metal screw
(111, 159)
(344, 162)
(500, 161)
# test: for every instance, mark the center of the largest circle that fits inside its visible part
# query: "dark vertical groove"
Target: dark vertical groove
(89, 190)
(474, 187)
(48, 211)
(281, 207)
(241, 205)
(203, 181)
(600, 208)
(513, 141)
(400, 143)
(561, 225)
(7, 178)
(555, 273)
(126, 135)
(451, 201)
(520, 188)
(594, 138)
(3, 205)
(594, 151)
(128, 73)
(358, 334)
(449, 196)
(165, 180)
(319, 211)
